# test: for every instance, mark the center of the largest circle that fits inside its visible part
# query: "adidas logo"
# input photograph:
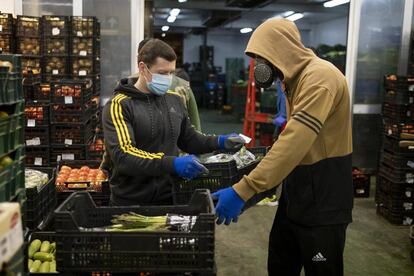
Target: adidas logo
(319, 258)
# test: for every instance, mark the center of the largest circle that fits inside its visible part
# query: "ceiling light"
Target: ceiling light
(165, 28)
(295, 16)
(246, 30)
(288, 13)
(163, 35)
(171, 19)
(175, 12)
(182, 1)
(335, 3)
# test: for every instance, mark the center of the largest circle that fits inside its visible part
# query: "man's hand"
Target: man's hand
(230, 142)
(188, 167)
(229, 205)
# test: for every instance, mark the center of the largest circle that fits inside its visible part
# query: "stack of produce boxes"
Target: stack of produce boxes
(6, 33)
(11, 152)
(395, 182)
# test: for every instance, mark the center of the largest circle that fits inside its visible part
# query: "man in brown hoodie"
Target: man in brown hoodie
(312, 157)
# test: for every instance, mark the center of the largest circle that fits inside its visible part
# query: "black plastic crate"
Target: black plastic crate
(393, 203)
(11, 127)
(28, 26)
(361, 182)
(55, 26)
(7, 44)
(395, 217)
(28, 46)
(169, 251)
(37, 156)
(66, 152)
(37, 114)
(55, 65)
(71, 133)
(6, 23)
(399, 89)
(51, 77)
(398, 112)
(84, 66)
(55, 46)
(37, 136)
(31, 65)
(84, 26)
(391, 144)
(398, 190)
(397, 160)
(93, 81)
(85, 46)
(397, 174)
(42, 236)
(71, 113)
(395, 129)
(41, 202)
(12, 176)
(70, 92)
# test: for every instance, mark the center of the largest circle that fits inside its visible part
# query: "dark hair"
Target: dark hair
(153, 49)
(142, 43)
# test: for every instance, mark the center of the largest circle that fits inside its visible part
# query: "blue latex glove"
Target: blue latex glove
(188, 167)
(229, 205)
(230, 142)
(279, 121)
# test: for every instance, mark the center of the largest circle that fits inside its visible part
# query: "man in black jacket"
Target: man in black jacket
(145, 125)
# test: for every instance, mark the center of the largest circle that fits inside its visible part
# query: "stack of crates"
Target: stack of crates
(12, 186)
(395, 181)
(28, 44)
(55, 47)
(6, 33)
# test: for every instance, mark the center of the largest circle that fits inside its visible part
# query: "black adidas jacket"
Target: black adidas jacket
(143, 135)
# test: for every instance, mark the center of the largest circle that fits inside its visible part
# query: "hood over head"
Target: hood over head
(127, 86)
(278, 41)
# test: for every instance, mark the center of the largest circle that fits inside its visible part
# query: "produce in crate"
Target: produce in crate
(243, 158)
(35, 113)
(68, 90)
(42, 257)
(35, 179)
(79, 178)
(56, 47)
(5, 161)
(82, 46)
(29, 46)
(98, 145)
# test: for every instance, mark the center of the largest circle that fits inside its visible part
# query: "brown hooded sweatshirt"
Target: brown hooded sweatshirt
(313, 153)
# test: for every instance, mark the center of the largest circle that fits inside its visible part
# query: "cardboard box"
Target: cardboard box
(11, 231)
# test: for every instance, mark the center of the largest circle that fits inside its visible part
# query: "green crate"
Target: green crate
(12, 128)
(13, 61)
(12, 176)
(10, 87)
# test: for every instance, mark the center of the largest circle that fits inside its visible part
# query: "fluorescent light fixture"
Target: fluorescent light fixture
(182, 1)
(163, 35)
(175, 12)
(288, 13)
(295, 16)
(246, 30)
(334, 3)
(171, 19)
(165, 28)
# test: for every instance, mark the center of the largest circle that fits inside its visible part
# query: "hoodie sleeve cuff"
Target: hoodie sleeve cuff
(167, 163)
(215, 143)
(244, 190)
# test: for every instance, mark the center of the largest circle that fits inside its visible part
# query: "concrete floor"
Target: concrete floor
(373, 246)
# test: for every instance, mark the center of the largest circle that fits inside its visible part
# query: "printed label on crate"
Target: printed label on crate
(389, 131)
(408, 113)
(82, 73)
(360, 191)
(55, 72)
(31, 123)
(411, 100)
(38, 161)
(68, 141)
(411, 88)
(55, 31)
(68, 100)
(33, 142)
(83, 53)
(408, 193)
(410, 164)
(407, 221)
(59, 157)
(68, 156)
(79, 33)
(408, 206)
(1, 28)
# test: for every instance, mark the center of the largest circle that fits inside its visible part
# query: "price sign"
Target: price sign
(38, 161)
(55, 72)
(68, 156)
(83, 53)
(68, 141)
(68, 100)
(79, 33)
(31, 123)
(55, 31)
(82, 73)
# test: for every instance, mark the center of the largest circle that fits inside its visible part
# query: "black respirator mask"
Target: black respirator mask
(264, 73)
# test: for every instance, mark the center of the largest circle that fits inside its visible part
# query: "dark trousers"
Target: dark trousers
(319, 249)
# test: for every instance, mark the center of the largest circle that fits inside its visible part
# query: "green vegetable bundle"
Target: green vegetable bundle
(133, 222)
(42, 256)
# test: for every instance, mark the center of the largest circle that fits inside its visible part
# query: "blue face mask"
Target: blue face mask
(159, 84)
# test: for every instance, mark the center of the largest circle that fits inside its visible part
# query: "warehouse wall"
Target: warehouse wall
(330, 32)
